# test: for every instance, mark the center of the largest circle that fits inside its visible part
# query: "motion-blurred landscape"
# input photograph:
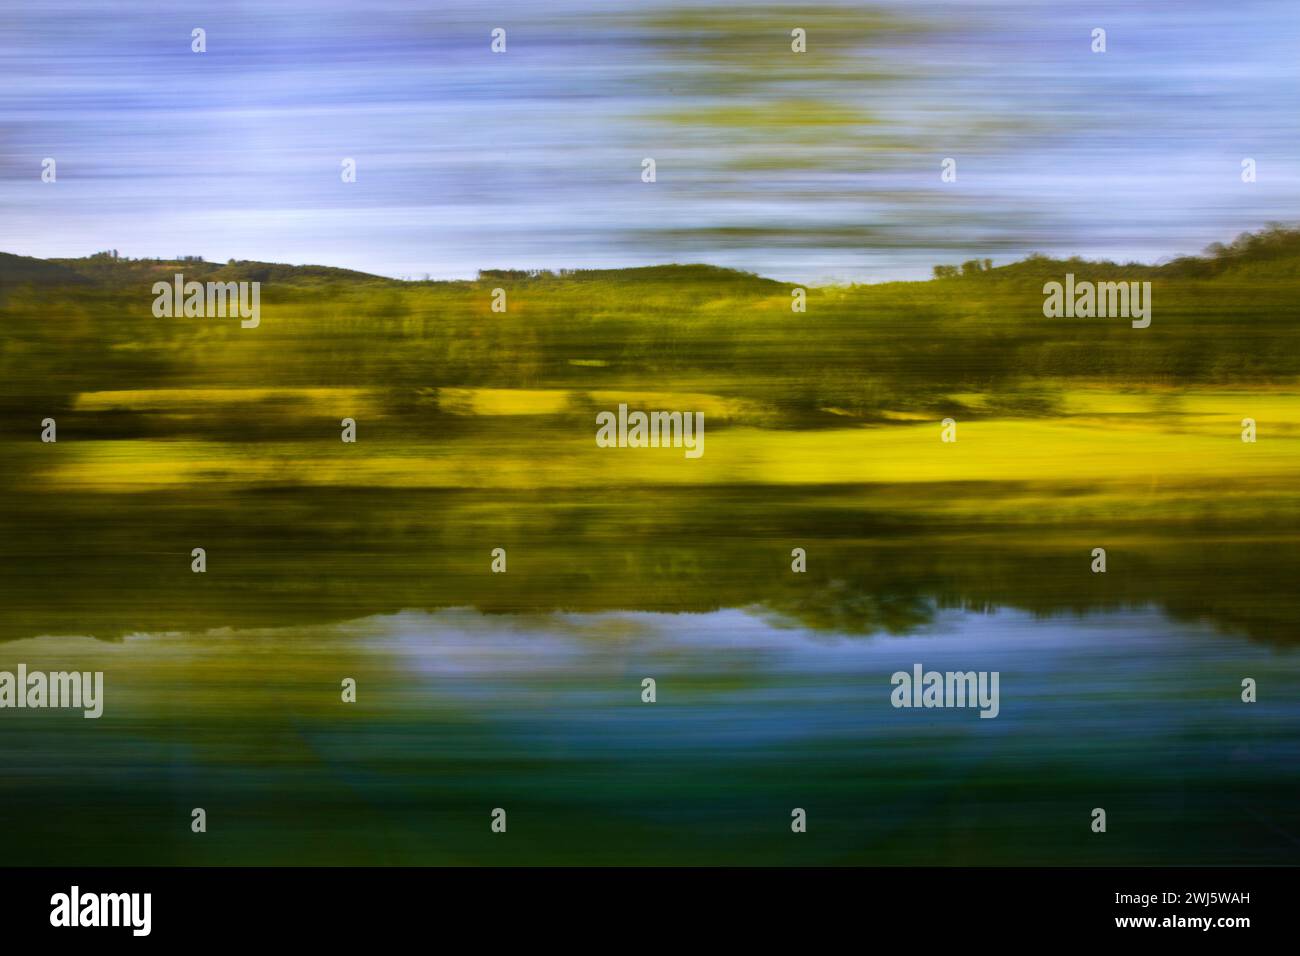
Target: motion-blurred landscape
(476, 431)
(919, 169)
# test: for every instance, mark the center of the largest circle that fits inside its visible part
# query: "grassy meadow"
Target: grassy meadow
(476, 430)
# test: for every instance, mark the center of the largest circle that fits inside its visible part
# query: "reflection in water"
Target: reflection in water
(460, 712)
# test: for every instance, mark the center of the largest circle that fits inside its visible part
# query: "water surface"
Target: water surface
(460, 712)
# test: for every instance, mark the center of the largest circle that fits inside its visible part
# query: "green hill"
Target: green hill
(1231, 316)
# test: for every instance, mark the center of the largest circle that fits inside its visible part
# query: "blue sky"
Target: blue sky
(814, 167)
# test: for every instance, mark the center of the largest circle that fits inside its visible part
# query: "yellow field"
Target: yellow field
(1154, 446)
